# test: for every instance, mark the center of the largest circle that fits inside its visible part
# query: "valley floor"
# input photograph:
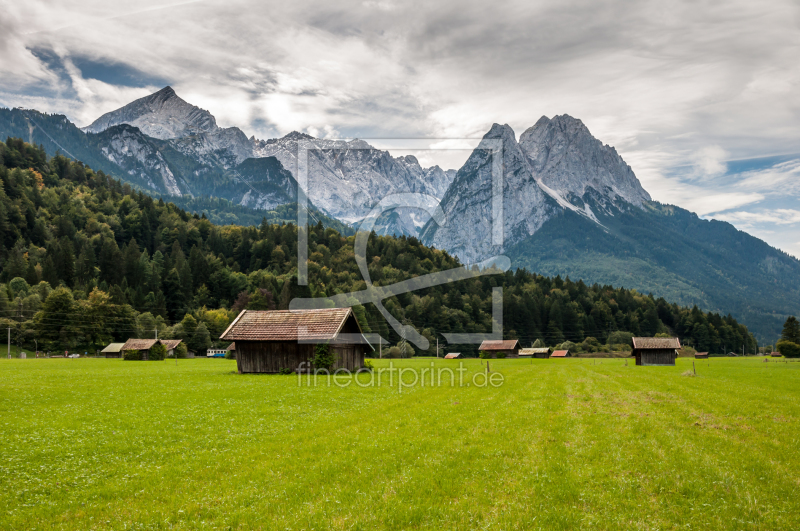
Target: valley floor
(561, 444)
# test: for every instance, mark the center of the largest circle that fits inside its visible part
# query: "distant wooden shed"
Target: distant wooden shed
(113, 350)
(508, 346)
(561, 354)
(543, 352)
(453, 356)
(655, 350)
(776, 355)
(145, 345)
(701, 355)
(269, 341)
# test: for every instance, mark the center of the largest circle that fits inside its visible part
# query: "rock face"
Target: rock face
(566, 158)
(191, 130)
(133, 152)
(163, 115)
(345, 178)
(557, 165)
(348, 178)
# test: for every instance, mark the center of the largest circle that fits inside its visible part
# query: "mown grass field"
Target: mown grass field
(562, 444)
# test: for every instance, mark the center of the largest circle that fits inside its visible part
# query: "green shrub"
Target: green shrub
(789, 349)
(368, 365)
(181, 351)
(571, 347)
(285, 370)
(406, 350)
(133, 355)
(484, 355)
(157, 352)
(619, 338)
(591, 343)
(230, 354)
(501, 355)
(324, 358)
(393, 353)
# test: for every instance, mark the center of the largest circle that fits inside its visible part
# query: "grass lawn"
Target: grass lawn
(562, 444)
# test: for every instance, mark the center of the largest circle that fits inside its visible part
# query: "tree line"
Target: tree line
(87, 259)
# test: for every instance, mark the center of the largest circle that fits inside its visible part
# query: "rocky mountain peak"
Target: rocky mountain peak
(163, 115)
(565, 157)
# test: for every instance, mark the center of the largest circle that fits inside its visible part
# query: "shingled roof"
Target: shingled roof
(146, 344)
(287, 325)
(139, 344)
(508, 344)
(532, 351)
(657, 343)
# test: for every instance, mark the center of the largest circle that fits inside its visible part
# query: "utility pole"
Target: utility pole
(437, 347)
(9, 342)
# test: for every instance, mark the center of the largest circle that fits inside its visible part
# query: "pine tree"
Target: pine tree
(791, 330)
(200, 340)
(16, 265)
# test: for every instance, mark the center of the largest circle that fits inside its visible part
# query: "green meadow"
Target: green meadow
(561, 444)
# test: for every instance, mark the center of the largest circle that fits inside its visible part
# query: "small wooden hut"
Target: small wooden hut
(144, 346)
(113, 350)
(508, 346)
(543, 352)
(452, 356)
(561, 354)
(655, 350)
(269, 341)
(775, 355)
(701, 355)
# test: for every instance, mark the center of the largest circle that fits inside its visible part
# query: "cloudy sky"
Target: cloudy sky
(702, 99)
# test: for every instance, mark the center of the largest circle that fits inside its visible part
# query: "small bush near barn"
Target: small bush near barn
(789, 349)
(132, 355)
(157, 352)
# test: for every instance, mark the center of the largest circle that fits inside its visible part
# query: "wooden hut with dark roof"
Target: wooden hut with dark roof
(701, 355)
(508, 346)
(268, 341)
(537, 352)
(144, 346)
(655, 350)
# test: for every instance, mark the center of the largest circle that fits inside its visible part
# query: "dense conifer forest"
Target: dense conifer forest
(87, 260)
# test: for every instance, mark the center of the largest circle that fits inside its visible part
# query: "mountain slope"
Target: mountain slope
(571, 206)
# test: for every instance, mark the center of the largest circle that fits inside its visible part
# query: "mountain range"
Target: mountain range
(570, 204)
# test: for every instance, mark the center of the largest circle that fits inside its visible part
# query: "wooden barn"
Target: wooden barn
(508, 346)
(561, 354)
(268, 341)
(543, 352)
(113, 350)
(655, 350)
(144, 346)
(453, 356)
(701, 355)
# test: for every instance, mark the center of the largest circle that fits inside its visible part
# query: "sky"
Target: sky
(702, 99)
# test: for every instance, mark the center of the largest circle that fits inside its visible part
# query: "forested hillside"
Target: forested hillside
(87, 260)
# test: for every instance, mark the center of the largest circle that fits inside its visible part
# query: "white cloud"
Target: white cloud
(780, 216)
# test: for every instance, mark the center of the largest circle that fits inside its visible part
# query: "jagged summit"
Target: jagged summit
(163, 115)
(565, 157)
(557, 165)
